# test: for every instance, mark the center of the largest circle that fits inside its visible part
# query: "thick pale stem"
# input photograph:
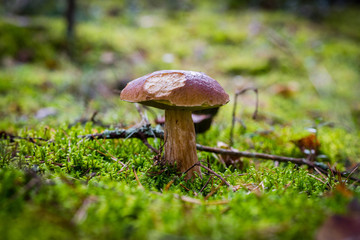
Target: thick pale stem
(180, 141)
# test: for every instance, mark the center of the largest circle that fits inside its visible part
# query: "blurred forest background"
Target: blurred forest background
(82, 49)
(64, 63)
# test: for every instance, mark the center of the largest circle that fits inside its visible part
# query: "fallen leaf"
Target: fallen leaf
(285, 90)
(309, 145)
(341, 227)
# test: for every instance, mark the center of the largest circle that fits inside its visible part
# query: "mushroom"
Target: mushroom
(179, 93)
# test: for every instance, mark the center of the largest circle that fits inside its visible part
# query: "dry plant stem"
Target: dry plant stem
(202, 189)
(144, 131)
(135, 133)
(137, 179)
(145, 141)
(253, 155)
(180, 141)
(238, 93)
(299, 161)
(209, 170)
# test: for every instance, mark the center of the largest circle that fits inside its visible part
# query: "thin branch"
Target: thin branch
(144, 131)
(137, 179)
(145, 141)
(194, 200)
(143, 116)
(212, 192)
(351, 173)
(214, 173)
(149, 132)
(210, 171)
(108, 155)
(238, 93)
(207, 183)
(112, 156)
(6, 135)
(84, 120)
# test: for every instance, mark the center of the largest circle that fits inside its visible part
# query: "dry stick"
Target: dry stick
(194, 200)
(184, 187)
(6, 135)
(317, 179)
(213, 191)
(81, 213)
(299, 161)
(145, 131)
(123, 168)
(207, 183)
(351, 173)
(145, 141)
(324, 177)
(109, 154)
(210, 171)
(142, 114)
(214, 173)
(137, 179)
(238, 93)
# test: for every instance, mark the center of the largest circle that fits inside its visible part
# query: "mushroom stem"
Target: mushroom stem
(180, 141)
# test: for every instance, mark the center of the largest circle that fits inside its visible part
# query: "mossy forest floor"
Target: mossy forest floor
(308, 77)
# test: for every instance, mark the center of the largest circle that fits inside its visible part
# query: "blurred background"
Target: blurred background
(62, 61)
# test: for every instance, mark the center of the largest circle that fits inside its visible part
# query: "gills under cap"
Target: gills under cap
(176, 89)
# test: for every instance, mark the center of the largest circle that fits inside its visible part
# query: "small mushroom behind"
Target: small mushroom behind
(179, 93)
(202, 119)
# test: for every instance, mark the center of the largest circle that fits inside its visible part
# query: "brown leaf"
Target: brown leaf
(285, 90)
(309, 145)
(339, 227)
(343, 190)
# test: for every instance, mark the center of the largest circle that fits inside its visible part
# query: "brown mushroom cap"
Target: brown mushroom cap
(176, 89)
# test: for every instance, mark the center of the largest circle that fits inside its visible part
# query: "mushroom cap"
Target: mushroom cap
(176, 89)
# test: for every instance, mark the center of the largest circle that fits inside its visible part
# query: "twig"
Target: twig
(92, 119)
(124, 168)
(210, 171)
(214, 173)
(144, 131)
(146, 143)
(184, 187)
(351, 173)
(195, 201)
(137, 179)
(238, 93)
(143, 116)
(6, 135)
(207, 183)
(81, 213)
(109, 154)
(168, 185)
(148, 132)
(317, 178)
(236, 153)
(213, 191)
